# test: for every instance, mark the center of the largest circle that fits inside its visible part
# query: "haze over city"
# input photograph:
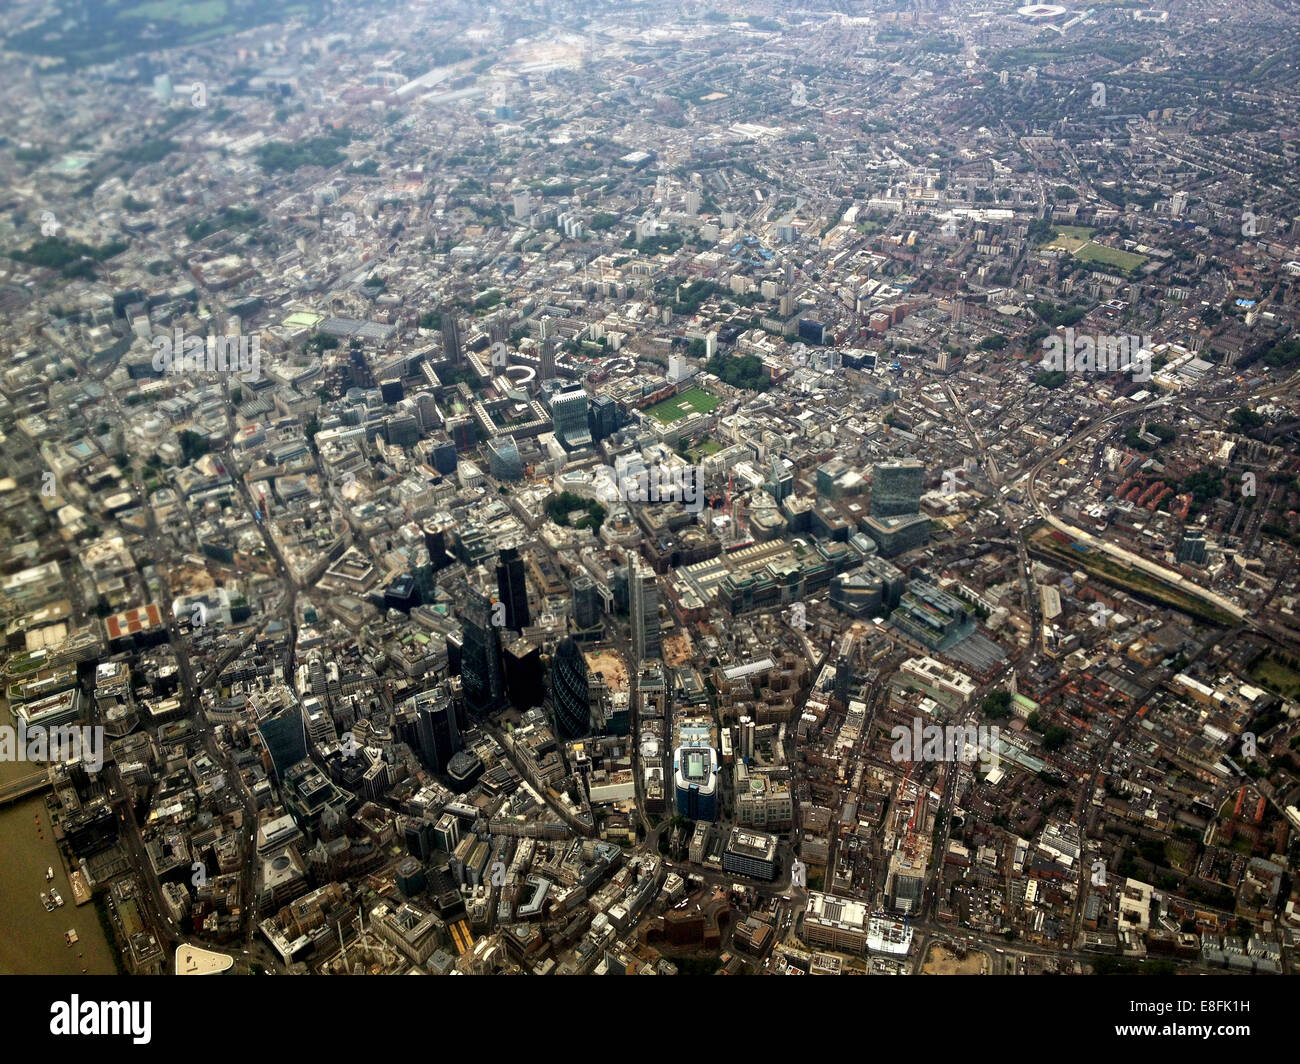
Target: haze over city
(571, 488)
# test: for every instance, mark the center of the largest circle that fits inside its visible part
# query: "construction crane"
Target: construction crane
(365, 945)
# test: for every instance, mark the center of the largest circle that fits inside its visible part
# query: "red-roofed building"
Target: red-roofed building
(137, 628)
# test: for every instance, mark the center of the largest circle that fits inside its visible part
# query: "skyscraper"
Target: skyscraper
(546, 367)
(602, 417)
(569, 415)
(525, 677)
(843, 680)
(570, 693)
(435, 542)
(780, 482)
(419, 839)
(1192, 548)
(504, 462)
(586, 602)
(896, 488)
(439, 736)
(644, 591)
(442, 453)
(695, 782)
(285, 736)
(480, 665)
(512, 589)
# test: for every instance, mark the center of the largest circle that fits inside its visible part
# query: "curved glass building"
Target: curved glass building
(569, 690)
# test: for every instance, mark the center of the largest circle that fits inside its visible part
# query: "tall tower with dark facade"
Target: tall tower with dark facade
(644, 592)
(285, 736)
(896, 488)
(480, 664)
(512, 589)
(436, 728)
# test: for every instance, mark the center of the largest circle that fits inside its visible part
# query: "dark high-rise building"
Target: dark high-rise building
(419, 839)
(844, 688)
(695, 782)
(780, 482)
(905, 891)
(480, 663)
(569, 691)
(436, 727)
(435, 542)
(401, 594)
(451, 348)
(525, 677)
(1192, 548)
(402, 430)
(357, 371)
(443, 454)
(512, 589)
(896, 488)
(463, 432)
(602, 417)
(620, 588)
(586, 602)
(751, 853)
(643, 588)
(90, 829)
(569, 417)
(464, 770)
(410, 877)
(812, 331)
(422, 573)
(285, 736)
(546, 363)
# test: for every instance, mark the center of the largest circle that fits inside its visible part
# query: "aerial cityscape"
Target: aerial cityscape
(572, 487)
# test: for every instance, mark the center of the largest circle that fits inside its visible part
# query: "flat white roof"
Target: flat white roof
(195, 960)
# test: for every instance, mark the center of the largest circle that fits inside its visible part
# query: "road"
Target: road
(1028, 588)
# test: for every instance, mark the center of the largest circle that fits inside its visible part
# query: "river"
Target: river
(32, 940)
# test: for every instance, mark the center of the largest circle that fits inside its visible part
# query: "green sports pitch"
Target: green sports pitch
(676, 408)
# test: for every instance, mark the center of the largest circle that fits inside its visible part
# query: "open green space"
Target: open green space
(1127, 261)
(1077, 240)
(1069, 238)
(1277, 672)
(679, 406)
